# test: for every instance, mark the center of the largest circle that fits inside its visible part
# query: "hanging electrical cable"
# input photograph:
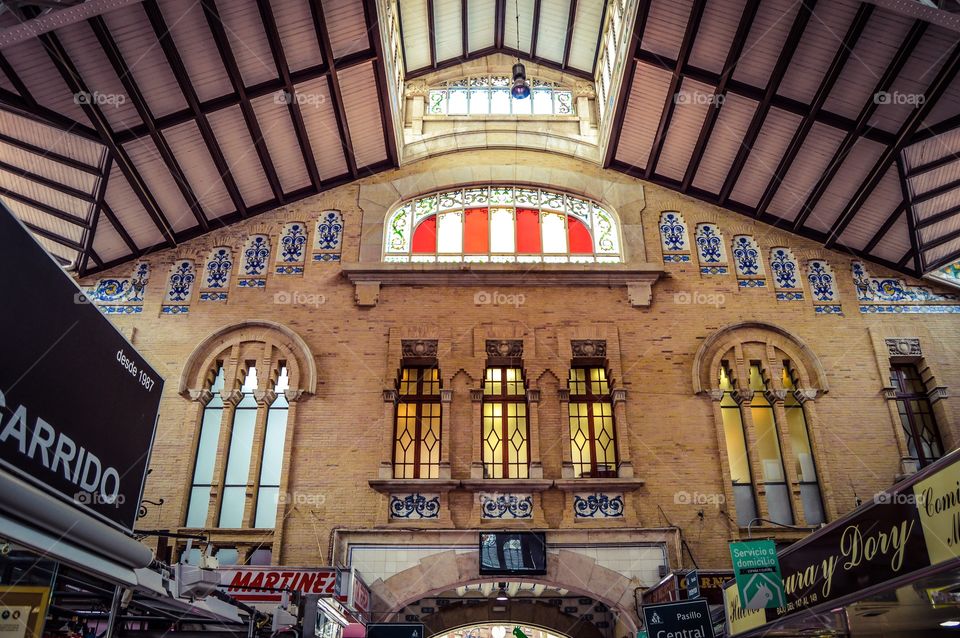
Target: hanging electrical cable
(521, 88)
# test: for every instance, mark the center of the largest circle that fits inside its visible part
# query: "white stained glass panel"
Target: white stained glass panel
(522, 107)
(554, 233)
(479, 102)
(450, 232)
(457, 102)
(502, 231)
(542, 101)
(500, 102)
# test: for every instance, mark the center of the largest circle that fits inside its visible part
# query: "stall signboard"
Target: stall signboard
(913, 526)
(266, 584)
(711, 583)
(739, 619)
(667, 590)
(757, 572)
(356, 595)
(78, 404)
(688, 618)
(23, 610)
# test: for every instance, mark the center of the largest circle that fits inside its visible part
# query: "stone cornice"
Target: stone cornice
(390, 486)
(638, 279)
(598, 484)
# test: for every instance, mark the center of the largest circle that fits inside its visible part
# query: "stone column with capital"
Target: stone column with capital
(715, 397)
(585, 94)
(776, 398)
(390, 397)
(446, 401)
(533, 423)
(476, 465)
(416, 94)
(619, 398)
(566, 470)
(293, 399)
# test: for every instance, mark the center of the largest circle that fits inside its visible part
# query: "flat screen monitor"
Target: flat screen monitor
(513, 553)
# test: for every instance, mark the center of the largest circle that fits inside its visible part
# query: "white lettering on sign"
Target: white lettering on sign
(128, 364)
(59, 454)
(683, 633)
(361, 596)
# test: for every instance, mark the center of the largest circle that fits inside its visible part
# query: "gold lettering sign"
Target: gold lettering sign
(938, 502)
(740, 619)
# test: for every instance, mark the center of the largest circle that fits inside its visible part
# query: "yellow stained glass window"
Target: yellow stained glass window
(504, 430)
(416, 444)
(592, 437)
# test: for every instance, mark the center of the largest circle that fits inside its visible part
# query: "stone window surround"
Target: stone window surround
(576, 135)
(812, 384)
(381, 195)
(624, 482)
(266, 343)
(887, 347)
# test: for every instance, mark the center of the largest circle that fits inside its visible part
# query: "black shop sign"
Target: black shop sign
(78, 405)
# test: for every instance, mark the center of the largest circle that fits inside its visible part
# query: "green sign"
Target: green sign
(757, 572)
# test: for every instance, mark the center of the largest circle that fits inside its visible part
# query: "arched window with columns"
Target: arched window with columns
(246, 381)
(763, 382)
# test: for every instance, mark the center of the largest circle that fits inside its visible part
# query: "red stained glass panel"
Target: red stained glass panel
(528, 231)
(477, 233)
(578, 237)
(425, 237)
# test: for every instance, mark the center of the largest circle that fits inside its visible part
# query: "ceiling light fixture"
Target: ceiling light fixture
(502, 593)
(521, 88)
(950, 623)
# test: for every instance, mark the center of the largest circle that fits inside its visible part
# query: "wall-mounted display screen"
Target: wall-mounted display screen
(513, 553)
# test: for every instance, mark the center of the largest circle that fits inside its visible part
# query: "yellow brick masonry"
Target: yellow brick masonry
(339, 440)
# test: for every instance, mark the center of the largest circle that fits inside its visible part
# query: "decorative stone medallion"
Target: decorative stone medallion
(589, 347)
(419, 347)
(504, 348)
(904, 347)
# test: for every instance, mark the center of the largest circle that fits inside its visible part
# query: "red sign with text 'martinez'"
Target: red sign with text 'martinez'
(263, 584)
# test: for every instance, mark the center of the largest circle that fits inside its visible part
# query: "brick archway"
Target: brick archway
(448, 570)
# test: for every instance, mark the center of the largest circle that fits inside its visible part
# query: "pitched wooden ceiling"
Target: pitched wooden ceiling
(766, 108)
(838, 120)
(139, 127)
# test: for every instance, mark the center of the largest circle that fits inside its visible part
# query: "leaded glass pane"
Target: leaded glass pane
(450, 199)
(500, 102)
(502, 232)
(438, 102)
(521, 107)
(199, 506)
(231, 508)
(542, 101)
(500, 217)
(479, 102)
(450, 232)
(457, 101)
(268, 502)
(554, 230)
(500, 195)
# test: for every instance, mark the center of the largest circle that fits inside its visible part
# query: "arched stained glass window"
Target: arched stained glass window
(502, 224)
(490, 95)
